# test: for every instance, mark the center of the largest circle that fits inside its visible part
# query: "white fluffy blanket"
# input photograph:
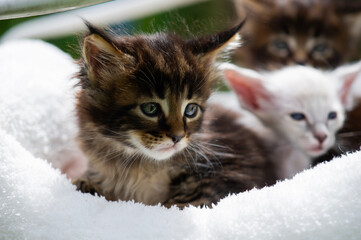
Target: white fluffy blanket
(38, 202)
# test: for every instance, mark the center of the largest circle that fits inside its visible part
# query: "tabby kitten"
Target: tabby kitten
(318, 33)
(140, 110)
(302, 107)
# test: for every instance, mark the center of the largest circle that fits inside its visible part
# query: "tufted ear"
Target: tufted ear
(102, 57)
(208, 47)
(248, 86)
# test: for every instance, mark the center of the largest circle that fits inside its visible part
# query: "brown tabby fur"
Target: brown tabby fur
(319, 33)
(236, 162)
(118, 75)
(307, 23)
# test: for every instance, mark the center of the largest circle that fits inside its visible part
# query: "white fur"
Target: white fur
(156, 153)
(296, 89)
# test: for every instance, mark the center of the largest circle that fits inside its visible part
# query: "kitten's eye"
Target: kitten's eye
(150, 109)
(191, 110)
(320, 48)
(298, 116)
(332, 115)
(282, 45)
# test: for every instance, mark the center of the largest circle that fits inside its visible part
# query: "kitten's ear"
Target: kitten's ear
(248, 86)
(102, 57)
(208, 47)
(347, 76)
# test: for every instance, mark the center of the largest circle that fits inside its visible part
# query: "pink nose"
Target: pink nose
(321, 137)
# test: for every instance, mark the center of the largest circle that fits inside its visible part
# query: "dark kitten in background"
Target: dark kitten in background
(319, 33)
(144, 123)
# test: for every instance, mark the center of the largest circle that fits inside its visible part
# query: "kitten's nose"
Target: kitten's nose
(321, 137)
(175, 138)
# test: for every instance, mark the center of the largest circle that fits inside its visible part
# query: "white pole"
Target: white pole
(25, 8)
(67, 23)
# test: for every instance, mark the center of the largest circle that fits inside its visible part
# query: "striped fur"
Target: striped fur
(135, 156)
(319, 33)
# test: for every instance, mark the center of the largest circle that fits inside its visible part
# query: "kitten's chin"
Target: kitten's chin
(163, 152)
(162, 155)
(317, 151)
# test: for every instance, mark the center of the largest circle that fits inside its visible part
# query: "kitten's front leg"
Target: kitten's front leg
(84, 185)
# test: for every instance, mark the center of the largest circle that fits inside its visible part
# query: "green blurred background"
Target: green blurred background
(198, 19)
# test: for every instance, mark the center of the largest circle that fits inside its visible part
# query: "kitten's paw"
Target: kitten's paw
(84, 186)
(181, 205)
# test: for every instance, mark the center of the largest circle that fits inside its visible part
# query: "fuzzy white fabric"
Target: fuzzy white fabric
(37, 97)
(38, 202)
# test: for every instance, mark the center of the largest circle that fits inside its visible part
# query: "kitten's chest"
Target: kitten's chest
(147, 187)
(139, 183)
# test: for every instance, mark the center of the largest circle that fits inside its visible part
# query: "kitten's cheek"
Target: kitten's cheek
(329, 142)
(181, 145)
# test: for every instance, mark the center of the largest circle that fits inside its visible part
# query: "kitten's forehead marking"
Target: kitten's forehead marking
(183, 64)
(163, 62)
(173, 102)
(178, 103)
(169, 104)
(164, 103)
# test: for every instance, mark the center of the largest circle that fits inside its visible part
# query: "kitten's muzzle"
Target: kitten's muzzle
(321, 137)
(320, 132)
(175, 138)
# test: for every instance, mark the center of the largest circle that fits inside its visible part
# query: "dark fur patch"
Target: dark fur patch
(300, 20)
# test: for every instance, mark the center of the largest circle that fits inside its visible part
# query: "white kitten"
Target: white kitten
(301, 106)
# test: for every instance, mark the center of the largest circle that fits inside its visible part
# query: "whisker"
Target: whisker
(191, 156)
(116, 133)
(150, 77)
(349, 134)
(124, 168)
(198, 150)
(186, 158)
(340, 148)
